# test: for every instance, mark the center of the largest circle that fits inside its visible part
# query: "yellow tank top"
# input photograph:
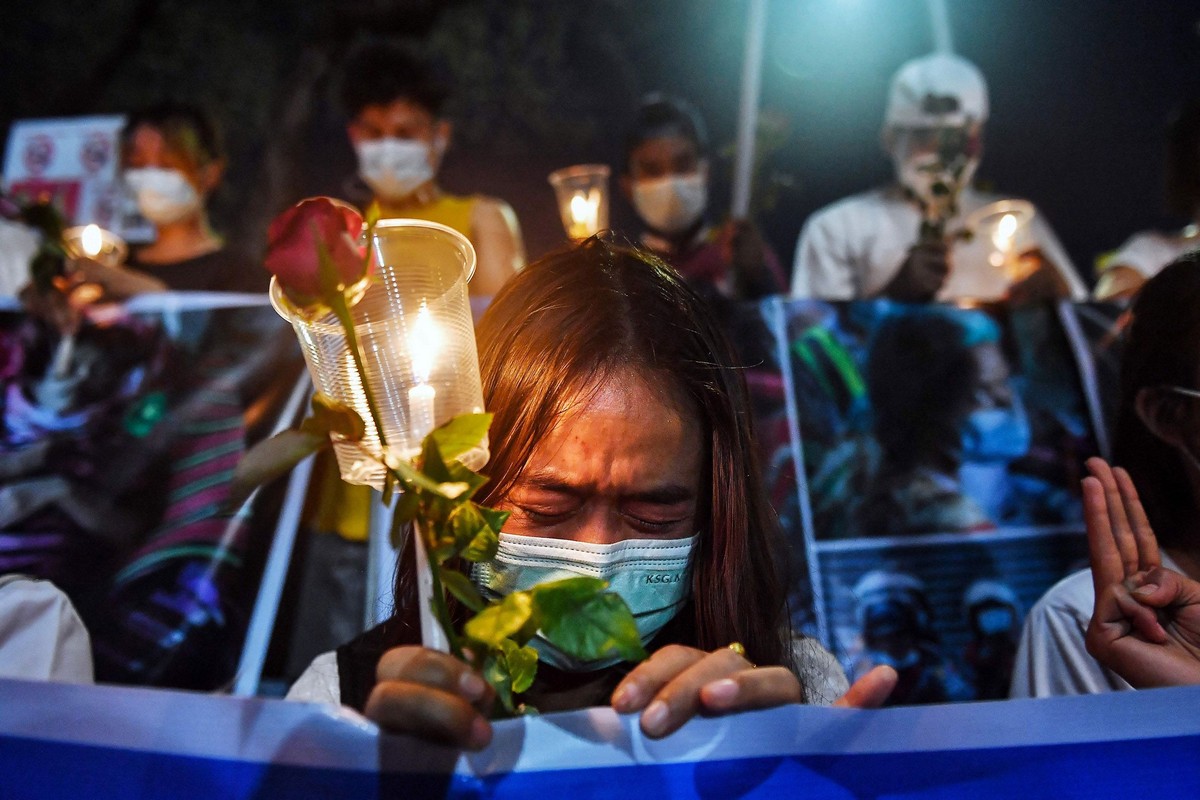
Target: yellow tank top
(449, 210)
(333, 505)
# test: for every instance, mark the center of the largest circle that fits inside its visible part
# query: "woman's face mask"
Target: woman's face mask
(163, 195)
(395, 168)
(673, 203)
(652, 576)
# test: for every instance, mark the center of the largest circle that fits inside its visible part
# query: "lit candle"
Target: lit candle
(91, 241)
(423, 344)
(585, 209)
(1002, 238)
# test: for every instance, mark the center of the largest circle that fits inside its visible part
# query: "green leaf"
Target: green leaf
(495, 519)
(461, 474)
(271, 458)
(331, 416)
(460, 434)
(522, 665)
(407, 506)
(465, 523)
(495, 672)
(411, 478)
(578, 617)
(483, 547)
(432, 463)
(501, 620)
(389, 488)
(461, 587)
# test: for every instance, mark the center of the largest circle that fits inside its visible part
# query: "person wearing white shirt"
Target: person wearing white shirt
(909, 240)
(1144, 254)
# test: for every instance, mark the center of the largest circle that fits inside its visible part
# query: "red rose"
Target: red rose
(292, 255)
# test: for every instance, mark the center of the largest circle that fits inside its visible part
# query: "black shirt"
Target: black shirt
(219, 271)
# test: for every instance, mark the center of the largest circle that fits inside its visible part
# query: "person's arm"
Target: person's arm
(921, 275)
(1118, 282)
(1061, 278)
(822, 269)
(1146, 622)
(499, 250)
(754, 269)
(117, 281)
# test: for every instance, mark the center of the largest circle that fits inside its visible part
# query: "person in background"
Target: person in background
(1144, 254)
(905, 240)
(172, 161)
(396, 124)
(896, 625)
(632, 374)
(1157, 439)
(397, 127)
(926, 378)
(42, 637)
(666, 179)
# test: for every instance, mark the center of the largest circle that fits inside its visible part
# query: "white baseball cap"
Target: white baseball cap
(937, 90)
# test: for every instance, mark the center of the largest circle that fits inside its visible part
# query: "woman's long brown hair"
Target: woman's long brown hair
(571, 319)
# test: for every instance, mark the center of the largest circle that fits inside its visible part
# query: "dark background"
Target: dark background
(1080, 89)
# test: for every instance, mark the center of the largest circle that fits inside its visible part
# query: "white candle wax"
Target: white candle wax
(420, 410)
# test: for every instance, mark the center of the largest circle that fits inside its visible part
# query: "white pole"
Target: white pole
(939, 18)
(743, 167)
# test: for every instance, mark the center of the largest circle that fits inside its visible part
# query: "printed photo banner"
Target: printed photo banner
(925, 463)
(74, 162)
(118, 441)
(109, 742)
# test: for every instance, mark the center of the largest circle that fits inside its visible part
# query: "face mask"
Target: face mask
(394, 168)
(651, 575)
(672, 204)
(992, 621)
(163, 195)
(997, 434)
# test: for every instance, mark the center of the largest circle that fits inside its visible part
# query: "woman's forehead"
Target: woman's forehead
(622, 428)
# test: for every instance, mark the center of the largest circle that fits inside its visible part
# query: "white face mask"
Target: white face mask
(651, 575)
(671, 204)
(163, 195)
(394, 168)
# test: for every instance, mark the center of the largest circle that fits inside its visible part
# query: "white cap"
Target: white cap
(937, 90)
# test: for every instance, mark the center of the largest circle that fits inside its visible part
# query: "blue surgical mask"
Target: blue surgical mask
(997, 434)
(652, 576)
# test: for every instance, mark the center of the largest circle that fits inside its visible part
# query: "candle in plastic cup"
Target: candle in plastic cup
(414, 327)
(582, 193)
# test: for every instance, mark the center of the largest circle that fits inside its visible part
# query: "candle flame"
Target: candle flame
(1002, 238)
(91, 241)
(585, 214)
(423, 344)
(1007, 226)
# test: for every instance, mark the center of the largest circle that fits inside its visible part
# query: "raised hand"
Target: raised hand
(1146, 622)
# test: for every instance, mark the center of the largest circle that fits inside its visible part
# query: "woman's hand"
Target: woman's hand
(432, 695)
(677, 683)
(1146, 622)
(871, 690)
